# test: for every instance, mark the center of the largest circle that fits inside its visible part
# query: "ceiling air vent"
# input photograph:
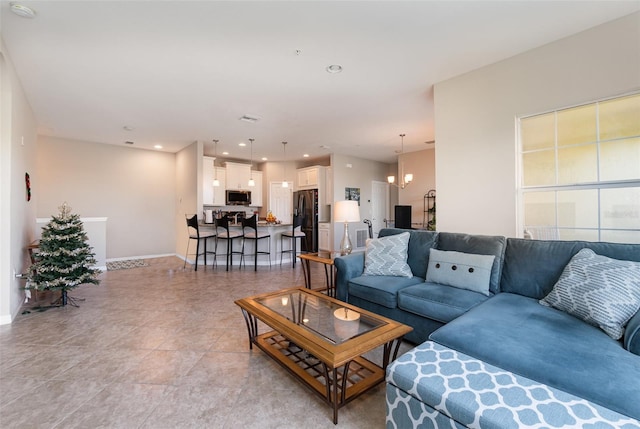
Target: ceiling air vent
(249, 118)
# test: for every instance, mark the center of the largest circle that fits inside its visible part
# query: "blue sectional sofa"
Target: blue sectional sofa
(499, 359)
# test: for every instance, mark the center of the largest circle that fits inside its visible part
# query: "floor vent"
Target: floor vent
(361, 237)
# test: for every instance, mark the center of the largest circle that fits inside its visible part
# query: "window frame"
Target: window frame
(598, 185)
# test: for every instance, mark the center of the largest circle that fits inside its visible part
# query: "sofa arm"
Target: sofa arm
(632, 334)
(347, 267)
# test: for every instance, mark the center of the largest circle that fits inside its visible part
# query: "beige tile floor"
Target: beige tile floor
(160, 347)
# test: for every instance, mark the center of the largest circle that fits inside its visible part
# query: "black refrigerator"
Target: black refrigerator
(306, 203)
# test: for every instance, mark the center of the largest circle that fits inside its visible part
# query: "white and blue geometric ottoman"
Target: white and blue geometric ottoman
(433, 386)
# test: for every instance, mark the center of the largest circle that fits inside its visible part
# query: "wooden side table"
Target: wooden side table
(323, 257)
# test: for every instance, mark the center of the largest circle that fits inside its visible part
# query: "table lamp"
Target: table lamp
(346, 211)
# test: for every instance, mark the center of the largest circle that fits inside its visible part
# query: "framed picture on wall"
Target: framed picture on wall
(352, 194)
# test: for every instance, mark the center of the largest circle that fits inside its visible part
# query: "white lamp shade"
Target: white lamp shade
(346, 211)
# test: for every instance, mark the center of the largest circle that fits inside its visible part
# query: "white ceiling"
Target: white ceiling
(180, 71)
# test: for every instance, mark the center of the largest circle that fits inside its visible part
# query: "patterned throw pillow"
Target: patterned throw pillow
(387, 256)
(603, 292)
(462, 270)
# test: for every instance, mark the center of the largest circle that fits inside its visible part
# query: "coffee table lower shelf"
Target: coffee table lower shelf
(361, 374)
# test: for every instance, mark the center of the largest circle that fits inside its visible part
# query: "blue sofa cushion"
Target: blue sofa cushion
(438, 302)
(387, 256)
(632, 335)
(382, 290)
(462, 270)
(541, 343)
(532, 267)
(420, 243)
(602, 291)
(480, 245)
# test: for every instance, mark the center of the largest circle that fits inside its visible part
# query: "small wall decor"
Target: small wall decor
(352, 194)
(27, 181)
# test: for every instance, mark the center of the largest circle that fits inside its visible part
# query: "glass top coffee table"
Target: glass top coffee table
(321, 340)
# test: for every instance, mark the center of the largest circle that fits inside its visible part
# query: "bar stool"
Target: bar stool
(223, 233)
(250, 232)
(298, 221)
(195, 234)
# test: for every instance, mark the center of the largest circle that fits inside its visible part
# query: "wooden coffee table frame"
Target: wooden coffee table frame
(336, 372)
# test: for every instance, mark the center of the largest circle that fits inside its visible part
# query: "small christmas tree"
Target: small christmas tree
(65, 259)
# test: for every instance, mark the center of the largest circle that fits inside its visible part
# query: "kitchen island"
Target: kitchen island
(274, 230)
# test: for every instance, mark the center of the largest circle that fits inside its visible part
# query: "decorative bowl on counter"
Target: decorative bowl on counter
(271, 219)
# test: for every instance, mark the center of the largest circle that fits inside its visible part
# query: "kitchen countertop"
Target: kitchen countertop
(260, 224)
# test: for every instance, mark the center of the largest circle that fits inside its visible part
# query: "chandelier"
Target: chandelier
(405, 178)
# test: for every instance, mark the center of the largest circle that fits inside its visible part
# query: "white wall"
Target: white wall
(360, 174)
(422, 165)
(135, 189)
(275, 172)
(188, 192)
(475, 118)
(17, 215)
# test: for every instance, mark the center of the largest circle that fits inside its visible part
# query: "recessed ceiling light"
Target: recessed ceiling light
(242, 144)
(158, 146)
(225, 153)
(334, 68)
(264, 158)
(306, 155)
(22, 10)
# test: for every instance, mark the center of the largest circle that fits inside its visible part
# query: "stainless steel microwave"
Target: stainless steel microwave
(238, 198)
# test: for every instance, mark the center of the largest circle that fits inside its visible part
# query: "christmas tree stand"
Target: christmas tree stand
(66, 299)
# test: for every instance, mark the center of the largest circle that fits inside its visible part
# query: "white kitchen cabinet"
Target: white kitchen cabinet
(324, 236)
(311, 177)
(256, 191)
(238, 176)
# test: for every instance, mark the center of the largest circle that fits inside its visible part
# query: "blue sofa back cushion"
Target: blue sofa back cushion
(478, 244)
(532, 267)
(533, 341)
(420, 243)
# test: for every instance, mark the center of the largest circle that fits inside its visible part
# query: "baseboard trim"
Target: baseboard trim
(126, 258)
(6, 319)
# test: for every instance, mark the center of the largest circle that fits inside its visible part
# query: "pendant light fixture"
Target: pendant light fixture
(284, 179)
(216, 182)
(252, 182)
(405, 178)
